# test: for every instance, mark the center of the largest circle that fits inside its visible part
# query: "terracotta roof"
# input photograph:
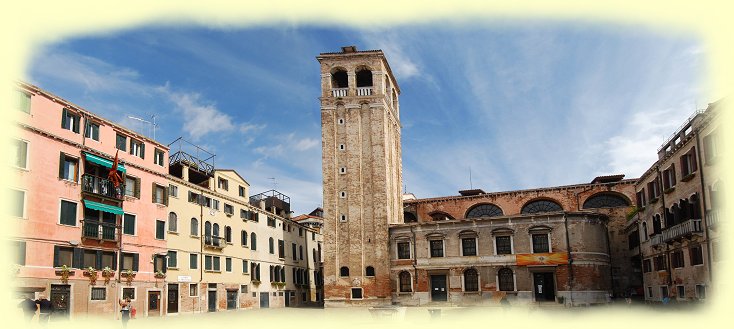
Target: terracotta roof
(607, 179)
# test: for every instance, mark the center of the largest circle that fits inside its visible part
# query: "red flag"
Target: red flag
(114, 177)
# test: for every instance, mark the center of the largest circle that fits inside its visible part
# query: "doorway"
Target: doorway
(231, 299)
(173, 298)
(264, 299)
(60, 298)
(154, 303)
(288, 298)
(544, 286)
(212, 300)
(438, 288)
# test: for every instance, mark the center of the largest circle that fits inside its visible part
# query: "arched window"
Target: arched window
(657, 227)
(369, 271)
(227, 234)
(405, 285)
(440, 216)
(364, 77)
(277, 273)
(408, 217)
(471, 280)
(271, 246)
(244, 238)
(506, 279)
(540, 206)
(207, 228)
(194, 226)
(339, 79)
(172, 222)
(344, 271)
(484, 210)
(644, 231)
(215, 229)
(282, 274)
(605, 200)
(253, 241)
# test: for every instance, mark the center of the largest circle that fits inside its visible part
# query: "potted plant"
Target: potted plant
(91, 272)
(255, 282)
(160, 275)
(64, 272)
(107, 274)
(129, 276)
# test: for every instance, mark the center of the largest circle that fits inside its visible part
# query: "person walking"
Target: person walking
(45, 308)
(29, 308)
(125, 307)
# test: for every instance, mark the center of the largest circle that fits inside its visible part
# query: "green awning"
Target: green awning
(103, 162)
(103, 207)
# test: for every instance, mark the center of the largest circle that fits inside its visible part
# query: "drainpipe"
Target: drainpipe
(609, 251)
(415, 270)
(570, 259)
(201, 248)
(703, 207)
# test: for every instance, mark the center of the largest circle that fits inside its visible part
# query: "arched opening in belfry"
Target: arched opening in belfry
(339, 79)
(364, 77)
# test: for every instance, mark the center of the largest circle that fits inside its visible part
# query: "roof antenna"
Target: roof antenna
(275, 183)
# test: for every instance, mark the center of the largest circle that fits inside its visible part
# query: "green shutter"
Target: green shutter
(137, 187)
(78, 258)
(136, 258)
(63, 118)
(165, 195)
(62, 157)
(56, 256)
(114, 260)
(153, 194)
(142, 150)
(99, 260)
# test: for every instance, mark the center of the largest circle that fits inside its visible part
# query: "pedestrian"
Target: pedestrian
(29, 308)
(125, 311)
(45, 308)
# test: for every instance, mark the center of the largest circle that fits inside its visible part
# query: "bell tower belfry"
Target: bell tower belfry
(362, 174)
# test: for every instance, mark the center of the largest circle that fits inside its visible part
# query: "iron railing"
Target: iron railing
(93, 229)
(688, 227)
(102, 186)
(214, 241)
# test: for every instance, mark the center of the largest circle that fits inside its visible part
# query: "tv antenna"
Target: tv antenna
(275, 183)
(152, 124)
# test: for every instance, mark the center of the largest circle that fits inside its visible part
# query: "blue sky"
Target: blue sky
(524, 104)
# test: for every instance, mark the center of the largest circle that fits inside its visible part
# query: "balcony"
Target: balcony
(681, 230)
(712, 218)
(364, 91)
(214, 242)
(339, 92)
(656, 239)
(96, 230)
(102, 187)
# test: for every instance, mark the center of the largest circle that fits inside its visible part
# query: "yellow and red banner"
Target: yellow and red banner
(553, 258)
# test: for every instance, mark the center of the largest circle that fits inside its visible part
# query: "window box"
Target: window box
(64, 272)
(688, 177)
(655, 199)
(668, 190)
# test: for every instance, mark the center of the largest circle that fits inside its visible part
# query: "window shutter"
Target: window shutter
(165, 265)
(694, 161)
(98, 264)
(122, 256)
(76, 124)
(136, 258)
(62, 157)
(142, 150)
(56, 256)
(137, 187)
(153, 194)
(63, 118)
(165, 195)
(114, 262)
(78, 258)
(131, 145)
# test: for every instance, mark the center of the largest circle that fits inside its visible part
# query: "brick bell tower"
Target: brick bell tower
(362, 172)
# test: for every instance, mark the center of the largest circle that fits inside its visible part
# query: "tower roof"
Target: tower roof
(352, 51)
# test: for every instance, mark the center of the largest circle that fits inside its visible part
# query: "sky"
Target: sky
(500, 106)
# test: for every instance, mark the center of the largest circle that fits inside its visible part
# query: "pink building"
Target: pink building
(72, 218)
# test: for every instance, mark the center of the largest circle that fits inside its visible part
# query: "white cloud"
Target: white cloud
(392, 44)
(200, 119)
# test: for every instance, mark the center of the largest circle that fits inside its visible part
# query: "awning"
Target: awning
(103, 207)
(103, 162)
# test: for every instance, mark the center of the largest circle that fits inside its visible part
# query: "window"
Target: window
(68, 213)
(132, 186)
(676, 259)
(23, 101)
(223, 184)
(660, 263)
(64, 256)
(669, 178)
(228, 209)
(228, 264)
(244, 266)
(343, 218)
(160, 228)
(172, 259)
(243, 288)
(369, 271)
(128, 293)
(228, 234)
(681, 292)
(208, 263)
(469, 246)
(137, 148)
(340, 121)
(253, 241)
(98, 293)
(633, 240)
(19, 155)
(172, 222)
(688, 163)
(605, 200)
(696, 255)
(243, 238)
(506, 279)
(68, 167)
(343, 170)
(646, 266)
(293, 250)
(18, 203)
(664, 292)
(653, 189)
(711, 147)
(271, 246)
(89, 258)
(440, 216)
(344, 271)
(215, 204)
(92, 130)
(341, 147)
(121, 142)
(300, 252)
(70, 120)
(641, 198)
(193, 289)
(701, 291)
(403, 250)
(436, 248)
(242, 191)
(173, 190)
(194, 227)
(471, 280)
(343, 194)
(158, 157)
(193, 261)
(503, 244)
(159, 263)
(405, 282)
(129, 262)
(356, 293)
(540, 206)
(540, 243)
(128, 224)
(271, 221)
(484, 210)
(159, 194)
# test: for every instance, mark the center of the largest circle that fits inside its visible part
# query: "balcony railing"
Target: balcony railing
(339, 92)
(101, 186)
(214, 241)
(656, 239)
(712, 218)
(364, 91)
(688, 227)
(96, 230)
